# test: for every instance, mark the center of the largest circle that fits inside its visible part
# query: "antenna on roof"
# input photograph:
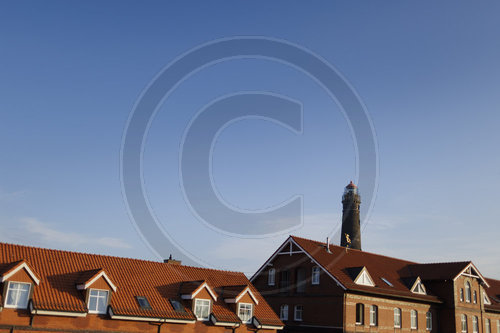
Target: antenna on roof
(328, 245)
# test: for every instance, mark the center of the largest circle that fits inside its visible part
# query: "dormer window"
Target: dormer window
(486, 300)
(202, 309)
(17, 295)
(418, 287)
(364, 278)
(98, 301)
(245, 312)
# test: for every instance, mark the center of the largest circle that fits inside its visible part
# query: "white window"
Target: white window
(373, 315)
(486, 300)
(461, 294)
(428, 321)
(17, 295)
(360, 314)
(397, 318)
(271, 277)
(419, 288)
(464, 323)
(467, 292)
(284, 312)
(487, 326)
(202, 309)
(364, 279)
(98, 301)
(414, 319)
(298, 312)
(315, 275)
(475, 325)
(498, 326)
(475, 297)
(245, 312)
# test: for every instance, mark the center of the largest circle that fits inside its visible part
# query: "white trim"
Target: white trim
(290, 253)
(210, 304)
(222, 323)
(55, 313)
(415, 284)
(256, 323)
(290, 239)
(162, 320)
(94, 279)
(271, 258)
(364, 272)
(249, 321)
(97, 303)
(17, 269)
(486, 299)
(237, 299)
(481, 277)
(197, 291)
(8, 306)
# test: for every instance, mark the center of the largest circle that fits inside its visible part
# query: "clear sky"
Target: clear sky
(427, 71)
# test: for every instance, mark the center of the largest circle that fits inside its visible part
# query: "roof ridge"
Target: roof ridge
(112, 257)
(445, 262)
(375, 254)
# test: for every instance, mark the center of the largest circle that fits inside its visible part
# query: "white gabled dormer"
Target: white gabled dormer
(486, 300)
(418, 287)
(364, 278)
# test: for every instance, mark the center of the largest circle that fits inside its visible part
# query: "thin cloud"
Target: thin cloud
(49, 235)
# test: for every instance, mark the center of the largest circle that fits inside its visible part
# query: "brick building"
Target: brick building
(57, 291)
(319, 287)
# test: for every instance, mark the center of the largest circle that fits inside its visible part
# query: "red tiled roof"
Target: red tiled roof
(343, 266)
(61, 271)
(438, 271)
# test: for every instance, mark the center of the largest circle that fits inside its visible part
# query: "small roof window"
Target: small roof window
(143, 302)
(387, 282)
(177, 305)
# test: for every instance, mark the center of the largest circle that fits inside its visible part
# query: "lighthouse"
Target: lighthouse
(351, 231)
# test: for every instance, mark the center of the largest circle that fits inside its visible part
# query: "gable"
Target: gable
(472, 272)
(20, 270)
(364, 278)
(101, 283)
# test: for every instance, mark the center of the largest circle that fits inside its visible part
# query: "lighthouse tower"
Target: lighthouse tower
(351, 231)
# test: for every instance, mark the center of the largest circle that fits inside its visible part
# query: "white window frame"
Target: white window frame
(487, 325)
(11, 289)
(468, 292)
(315, 275)
(475, 324)
(298, 311)
(240, 305)
(373, 315)
(271, 277)
(463, 320)
(202, 300)
(284, 312)
(97, 311)
(461, 294)
(428, 321)
(498, 326)
(398, 315)
(414, 319)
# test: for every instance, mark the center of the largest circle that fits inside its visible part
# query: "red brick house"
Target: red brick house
(316, 288)
(319, 287)
(57, 291)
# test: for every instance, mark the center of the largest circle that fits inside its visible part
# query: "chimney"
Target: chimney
(328, 245)
(172, 261)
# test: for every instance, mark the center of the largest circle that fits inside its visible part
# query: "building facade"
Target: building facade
(58, 291)
(318, 287)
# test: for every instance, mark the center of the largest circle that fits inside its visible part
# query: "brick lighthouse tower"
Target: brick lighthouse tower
(351, 231)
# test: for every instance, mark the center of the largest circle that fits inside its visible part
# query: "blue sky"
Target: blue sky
(427, 71)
